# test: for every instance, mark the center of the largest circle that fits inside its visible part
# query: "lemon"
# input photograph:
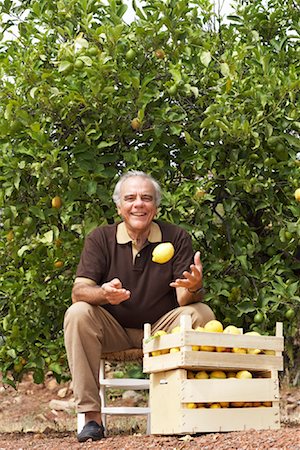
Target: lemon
(224, 404)
(202, 375)
(217, 374)
(231, 374)
(239, 350)
(191, 405)
(136, 124)
(176, 330)
(253, 351)
(269, 352)
(221, 349)
(243, 375)
(268, 404)
(207, 348)
(174, 350)
(215, 406)
(253, 333)
(199, 329)
(231, 329)
(237, 404)
(58, 264)
(156, 353)
(159, 333)
(213, 326)
(163, 252)
(297, 194)
(56, 202)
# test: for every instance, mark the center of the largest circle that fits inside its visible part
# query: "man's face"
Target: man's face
(137, 203)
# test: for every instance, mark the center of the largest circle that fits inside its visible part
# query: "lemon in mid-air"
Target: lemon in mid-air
(163, 252)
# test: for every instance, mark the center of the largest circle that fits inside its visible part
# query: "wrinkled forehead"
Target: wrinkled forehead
(137, 186)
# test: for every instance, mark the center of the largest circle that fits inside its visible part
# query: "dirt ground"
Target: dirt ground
(29, 421)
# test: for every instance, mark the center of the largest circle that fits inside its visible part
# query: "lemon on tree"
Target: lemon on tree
(58, 264)
(163, 252)
(259, 317)
(56, 202)
(160, 53)
(130, 55)
(297, 194)
(290, 314)
(78, 64)
(136, 123)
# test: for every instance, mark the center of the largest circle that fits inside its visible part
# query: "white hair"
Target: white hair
(136, 173)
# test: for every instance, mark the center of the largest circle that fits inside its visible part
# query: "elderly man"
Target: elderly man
(118, 288)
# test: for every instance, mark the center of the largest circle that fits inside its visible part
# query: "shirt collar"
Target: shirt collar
(123, 237)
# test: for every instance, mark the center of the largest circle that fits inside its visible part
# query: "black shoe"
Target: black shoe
(91, 430)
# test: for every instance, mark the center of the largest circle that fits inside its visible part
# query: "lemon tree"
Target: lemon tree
(209, 107)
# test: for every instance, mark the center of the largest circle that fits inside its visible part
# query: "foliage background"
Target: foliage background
(216, 109)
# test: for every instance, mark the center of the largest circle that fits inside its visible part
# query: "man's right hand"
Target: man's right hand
(114, 292)
(111, 292)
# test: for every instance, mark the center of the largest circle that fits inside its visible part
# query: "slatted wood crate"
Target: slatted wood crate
(183, 405)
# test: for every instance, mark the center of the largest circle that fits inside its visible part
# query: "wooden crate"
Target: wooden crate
(187, 358)
(171, 392)
(171, 389)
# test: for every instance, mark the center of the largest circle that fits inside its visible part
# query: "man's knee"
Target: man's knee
(200, 313)
(78, 313)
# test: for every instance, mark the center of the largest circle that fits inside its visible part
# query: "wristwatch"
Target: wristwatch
(198, 291)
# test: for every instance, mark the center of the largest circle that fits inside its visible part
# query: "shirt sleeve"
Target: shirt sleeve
(93, 260)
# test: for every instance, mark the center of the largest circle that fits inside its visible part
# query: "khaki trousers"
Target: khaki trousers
(90, 330)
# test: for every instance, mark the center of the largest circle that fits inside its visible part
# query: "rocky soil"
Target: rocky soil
(43, 417)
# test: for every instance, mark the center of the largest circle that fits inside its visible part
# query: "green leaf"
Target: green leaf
(205, 58)
(65, 66)
(38, 376)
(38, 212)
(105, 144)
(55, 367)
(12, 353)
(22, 250)
(225, 70)
(47, 238)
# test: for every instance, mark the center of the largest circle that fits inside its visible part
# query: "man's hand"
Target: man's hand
(111, 292)
(191, 280)
(114, 293)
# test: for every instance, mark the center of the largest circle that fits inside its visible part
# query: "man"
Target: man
(118, 288)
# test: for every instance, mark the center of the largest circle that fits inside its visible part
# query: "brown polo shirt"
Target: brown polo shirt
(110, 253)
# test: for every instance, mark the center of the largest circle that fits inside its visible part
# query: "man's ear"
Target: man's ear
(119, 210)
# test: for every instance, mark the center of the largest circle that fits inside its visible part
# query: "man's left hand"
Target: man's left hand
(191, 280)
